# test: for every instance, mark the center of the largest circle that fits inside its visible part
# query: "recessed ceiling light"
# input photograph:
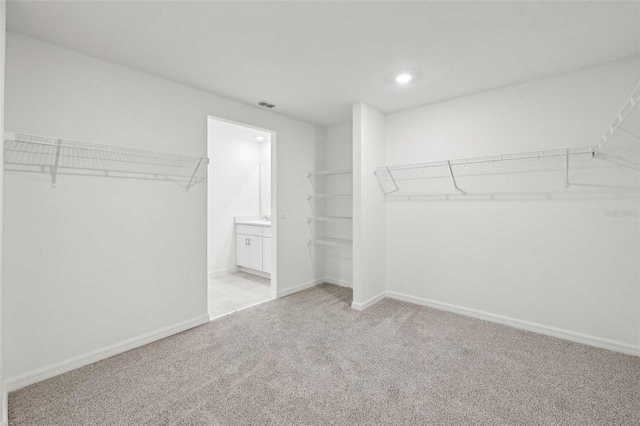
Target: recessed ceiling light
(260, 138)
(403, 78)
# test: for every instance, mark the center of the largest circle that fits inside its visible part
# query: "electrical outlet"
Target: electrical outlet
(283, 213)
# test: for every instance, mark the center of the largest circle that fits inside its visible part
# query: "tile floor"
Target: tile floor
(231, 292)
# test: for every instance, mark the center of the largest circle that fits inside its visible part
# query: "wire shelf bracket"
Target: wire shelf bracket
(453, 178)
(195, 171)
(54, 169)
(397, 188)
(626, 109)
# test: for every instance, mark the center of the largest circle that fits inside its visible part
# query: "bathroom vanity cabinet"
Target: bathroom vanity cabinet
(253, 246)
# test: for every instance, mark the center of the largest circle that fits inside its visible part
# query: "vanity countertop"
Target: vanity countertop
(253, 222)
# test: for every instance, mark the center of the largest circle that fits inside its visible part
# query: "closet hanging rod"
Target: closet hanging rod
(87, 146)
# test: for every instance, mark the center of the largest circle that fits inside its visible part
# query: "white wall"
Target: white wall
(368, 207)
(99, 261)
(234, 190)
(3, 391)
(555, 264)
(265, 179)
(338, 267)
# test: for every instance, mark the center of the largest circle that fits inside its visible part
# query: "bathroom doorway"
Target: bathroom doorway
(241, 237)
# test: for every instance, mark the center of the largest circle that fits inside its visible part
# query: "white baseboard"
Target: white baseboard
(259, 302)
(299, 287)
(338, 282)
(91, 357)
(313, 283)
(585, 339)
(5, 404)
(221, 272)
(364, 305)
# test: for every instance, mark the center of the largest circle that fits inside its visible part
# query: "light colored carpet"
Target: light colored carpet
(309, 359)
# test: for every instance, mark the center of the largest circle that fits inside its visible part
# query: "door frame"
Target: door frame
(274, 198)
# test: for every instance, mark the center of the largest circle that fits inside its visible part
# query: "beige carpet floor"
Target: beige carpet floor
(308, 359)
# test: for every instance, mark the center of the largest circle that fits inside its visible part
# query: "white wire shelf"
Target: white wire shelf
(452, 172)
(329, 172)
(333, 242)
(53, 156)
(528, 172)
(329, 219)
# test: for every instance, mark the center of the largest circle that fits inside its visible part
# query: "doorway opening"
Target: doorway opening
(241, 237)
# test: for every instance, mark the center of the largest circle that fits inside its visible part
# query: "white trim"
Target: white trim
(95, 356)
(259, 302)
(299, 287)
(338, 282)
(274, 197)
(221, 272)
(4, 412)
(573, 336)
(364, 305)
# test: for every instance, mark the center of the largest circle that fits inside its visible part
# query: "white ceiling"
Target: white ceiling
(315, 59)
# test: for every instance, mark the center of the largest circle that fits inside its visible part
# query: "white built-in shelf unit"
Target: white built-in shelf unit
(455, 176)
(326, 241)
(320, 173)
(55, 156)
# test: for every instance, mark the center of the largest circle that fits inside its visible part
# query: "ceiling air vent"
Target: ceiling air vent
(266, 104)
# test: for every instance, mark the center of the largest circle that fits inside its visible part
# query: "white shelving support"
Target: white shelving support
(392, 180)
(195, 171)
(453, 178)
(566, 169)
(40, 154)
(626, 109)
(54, 169)
(333, 242)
